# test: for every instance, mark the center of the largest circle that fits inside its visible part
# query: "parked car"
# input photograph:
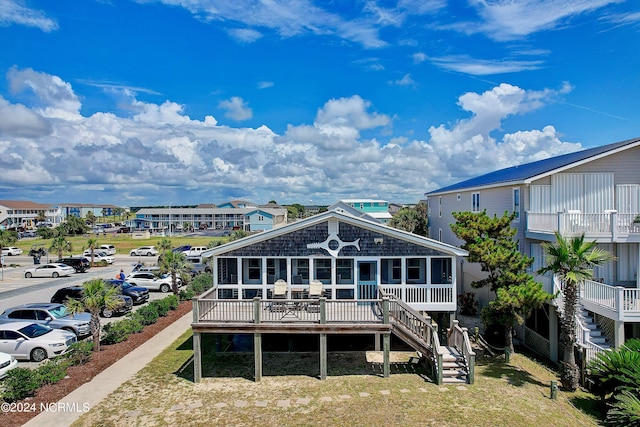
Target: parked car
(195, 251)
(99, 255)
(151, 281)
(7, 363)
(76, 292)
(80, 263)
(55, 269)
(54, 315)
(32, 341)
(181, 248)
(11, 251)
(144, 251)
(109, 249)
(140, 268)
(138, 294)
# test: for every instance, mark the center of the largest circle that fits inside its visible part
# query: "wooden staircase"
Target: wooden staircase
(454, 366)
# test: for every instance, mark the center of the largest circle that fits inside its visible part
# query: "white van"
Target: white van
(195, 251)
(109, 249)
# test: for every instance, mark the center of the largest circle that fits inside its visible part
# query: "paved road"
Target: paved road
(15, 289)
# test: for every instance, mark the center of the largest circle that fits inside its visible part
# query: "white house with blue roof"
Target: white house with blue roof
(595, 192)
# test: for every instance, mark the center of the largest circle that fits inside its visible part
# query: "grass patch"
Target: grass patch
(355, 393)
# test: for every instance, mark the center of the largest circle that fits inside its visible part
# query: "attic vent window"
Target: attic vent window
(459, 197)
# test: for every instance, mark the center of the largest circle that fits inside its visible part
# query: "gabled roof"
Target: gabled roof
(535, 170)
(342, 217)
(24, 204)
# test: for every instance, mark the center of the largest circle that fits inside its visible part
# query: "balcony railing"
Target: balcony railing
(605, 225)
(614, 302)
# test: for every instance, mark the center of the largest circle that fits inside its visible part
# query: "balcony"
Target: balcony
(602, 227)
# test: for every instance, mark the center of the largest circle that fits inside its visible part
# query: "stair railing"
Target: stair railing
(419, 326)
(458, 337)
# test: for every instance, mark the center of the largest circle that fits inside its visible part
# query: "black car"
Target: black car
(81, 264)
(138, 294)
(77, 292)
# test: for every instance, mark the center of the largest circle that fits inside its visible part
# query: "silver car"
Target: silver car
(50, 314)
(144, 251)
(31, 341)
(53, 269)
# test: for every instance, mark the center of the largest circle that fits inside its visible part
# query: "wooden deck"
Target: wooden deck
(323, 317)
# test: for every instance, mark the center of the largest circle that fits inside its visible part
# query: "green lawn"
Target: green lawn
(355, 394)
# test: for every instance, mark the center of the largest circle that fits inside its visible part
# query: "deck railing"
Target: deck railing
(259, 310)
(615, 302)
(603, 225)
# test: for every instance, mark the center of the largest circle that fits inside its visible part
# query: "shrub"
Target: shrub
(119, 331)
(186, 294)
(173, 301)
(162, 306)
(20, 383)
(79, 352)
(467, 304)
(147, 315)
(201, 283)
(51, 371)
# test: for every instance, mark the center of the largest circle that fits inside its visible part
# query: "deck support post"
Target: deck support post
(376, 341)
(323, 339)
(323, 356)
(257, 351)
(386, 339)
(197, 349)
(197, 358)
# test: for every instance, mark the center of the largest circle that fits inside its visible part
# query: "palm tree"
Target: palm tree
(96, 297)
(92, 244)
(164, 245)
(41, 217)
(7, 238)
(573, 261)
(60, 244)
(175, 263)
(91, 217)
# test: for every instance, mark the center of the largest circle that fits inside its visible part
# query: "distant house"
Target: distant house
(223, 217)
(378, 209)
(595, 192)
(17, 214)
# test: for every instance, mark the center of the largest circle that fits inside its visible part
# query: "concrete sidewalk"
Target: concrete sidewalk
(90, 394)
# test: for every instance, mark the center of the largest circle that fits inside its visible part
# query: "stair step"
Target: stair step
(598, 340)
(453, 380)
(448, 373)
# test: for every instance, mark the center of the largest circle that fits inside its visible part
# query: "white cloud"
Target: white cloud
(406, 80)
(237, 109)
(54, 96)
(245, 35)
(265, 85)
(14, 12)
(419, 57)
(160, 154)
(508, 20)
(482, 67)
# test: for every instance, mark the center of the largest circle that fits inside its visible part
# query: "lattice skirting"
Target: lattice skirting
(537, 343)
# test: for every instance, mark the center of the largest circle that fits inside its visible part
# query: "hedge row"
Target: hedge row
(135, 322)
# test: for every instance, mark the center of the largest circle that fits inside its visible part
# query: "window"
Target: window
(322, 269)
(300, 267)
(516, 202)
(416, 270)
(344, 270)
(440, 206)
(391, 270)
(441, 271)
(475, 202)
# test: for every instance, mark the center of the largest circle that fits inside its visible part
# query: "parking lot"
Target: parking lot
(15, 289)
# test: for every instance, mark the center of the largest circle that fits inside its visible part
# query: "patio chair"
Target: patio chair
(315, 291)
(279, 292)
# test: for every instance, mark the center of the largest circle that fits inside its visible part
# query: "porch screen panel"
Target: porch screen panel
(605, 272)
(627, 262)
(567, 190)
(586, 192)
(628, 198)
(540, 199)
(598, 192)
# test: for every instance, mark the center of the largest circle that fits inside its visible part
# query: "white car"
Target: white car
(7, 363)
(152, 282)
(11, 251)
(109, 249)
(31, 341)
(55, 269)
(98, 255)
(144, 251)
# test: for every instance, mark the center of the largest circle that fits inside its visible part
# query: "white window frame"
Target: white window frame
(475, 202)
(516, 201)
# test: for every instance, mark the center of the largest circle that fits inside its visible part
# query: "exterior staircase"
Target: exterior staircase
(454, 366)
(592, 333)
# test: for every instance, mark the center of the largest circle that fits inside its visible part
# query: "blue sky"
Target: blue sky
(158, 102)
